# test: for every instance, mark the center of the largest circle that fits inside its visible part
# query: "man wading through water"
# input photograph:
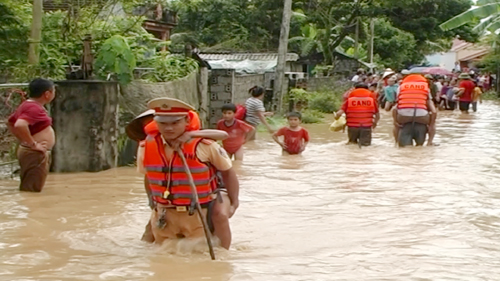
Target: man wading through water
(31, 125)
(173, 215)
(415, 115)
(144, 125)
(362, 113)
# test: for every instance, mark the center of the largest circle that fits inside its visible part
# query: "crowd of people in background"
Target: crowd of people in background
(449, 92)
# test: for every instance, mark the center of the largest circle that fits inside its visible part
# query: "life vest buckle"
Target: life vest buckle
(181, 209)
(166, 194)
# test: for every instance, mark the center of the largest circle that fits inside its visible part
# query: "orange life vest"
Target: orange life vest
(168, 181)
(361, 105)
(152, 127)
(413, 92)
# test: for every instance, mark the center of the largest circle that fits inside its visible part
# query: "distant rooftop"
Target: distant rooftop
(246, 56)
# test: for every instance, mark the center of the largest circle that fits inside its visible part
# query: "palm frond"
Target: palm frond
(299, 14)
(308, 47)
(485, 2)
(481, 27)
(487, 10)
(296, 39)
(493, 26)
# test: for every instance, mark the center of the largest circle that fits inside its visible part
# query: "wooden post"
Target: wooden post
(36, 33)
(279, 90)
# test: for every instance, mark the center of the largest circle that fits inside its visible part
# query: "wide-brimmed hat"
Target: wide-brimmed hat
(135, 129)
(387, 73)
(464, 76)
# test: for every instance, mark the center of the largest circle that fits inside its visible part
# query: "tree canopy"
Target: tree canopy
(325, 26)
(405, 30)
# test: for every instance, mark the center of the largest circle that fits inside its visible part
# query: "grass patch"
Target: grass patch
(490, 95)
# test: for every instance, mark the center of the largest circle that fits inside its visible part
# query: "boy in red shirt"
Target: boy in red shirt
(295, 138)
(239, 132)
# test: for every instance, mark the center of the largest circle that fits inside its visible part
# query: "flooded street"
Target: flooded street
(334, 213)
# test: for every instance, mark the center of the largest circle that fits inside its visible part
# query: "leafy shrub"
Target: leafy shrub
(310, 116)
(62, 44)
(170, 67)
(116, 57)
(326, 102)
(297, 95)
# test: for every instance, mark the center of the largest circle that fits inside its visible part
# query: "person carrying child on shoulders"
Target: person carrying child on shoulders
(295, 138)
(239, 131)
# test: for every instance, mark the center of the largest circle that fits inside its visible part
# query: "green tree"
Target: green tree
(422, 18)
(395, 47)
(14, 31)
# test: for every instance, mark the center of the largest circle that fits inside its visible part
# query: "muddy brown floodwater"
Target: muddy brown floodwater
(334, 213)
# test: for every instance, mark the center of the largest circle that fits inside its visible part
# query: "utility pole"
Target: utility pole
(279, 89)
(36, 33)
(356, 39)
(372, 37)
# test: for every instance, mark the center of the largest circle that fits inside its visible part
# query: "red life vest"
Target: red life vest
(361, 106)
(168, 181)
(241, 112)
(413, 92)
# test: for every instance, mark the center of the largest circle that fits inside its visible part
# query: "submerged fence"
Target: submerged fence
(11, 96)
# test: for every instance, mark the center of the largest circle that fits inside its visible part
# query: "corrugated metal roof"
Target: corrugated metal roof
(475, 56)
(247, 56)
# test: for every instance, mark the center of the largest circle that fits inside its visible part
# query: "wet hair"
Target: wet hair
(256, 91)
(39, 86)
(294, 114)
(229, 107)
(360, 86)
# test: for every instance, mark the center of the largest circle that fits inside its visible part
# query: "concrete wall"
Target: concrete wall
(325, 83)
(85, 117)
(227, 87)
(134, 97)
(221, 85)
(242, 83)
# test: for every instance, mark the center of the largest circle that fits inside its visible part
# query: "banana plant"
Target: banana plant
(487, 12)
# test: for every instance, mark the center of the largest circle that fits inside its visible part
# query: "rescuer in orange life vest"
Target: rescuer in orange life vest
(173, 216)
(362, 114)
(144, 125)
(415, 114)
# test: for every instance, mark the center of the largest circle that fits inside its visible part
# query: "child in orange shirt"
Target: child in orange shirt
(476, 96)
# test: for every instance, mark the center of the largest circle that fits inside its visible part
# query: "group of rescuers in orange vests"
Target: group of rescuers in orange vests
(171, 126)
(413, 112)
